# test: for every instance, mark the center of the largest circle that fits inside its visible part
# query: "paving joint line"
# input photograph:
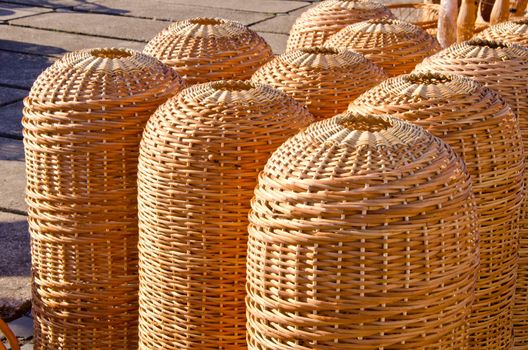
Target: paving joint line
(13, 86)
(11, 102)
(33, 54)
(34, 5)
(13, 211)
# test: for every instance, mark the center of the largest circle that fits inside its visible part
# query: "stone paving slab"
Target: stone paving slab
(95, 25)
(10, 120)
(49, 3)
(10, 95)
(276, 41)
(15, 262)
(44, 42)
(11, 11)
(159, 9)
(12, 182)
(20, 70)
(270, 6)
(281, 23)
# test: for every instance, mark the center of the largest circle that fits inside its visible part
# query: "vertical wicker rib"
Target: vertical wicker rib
(209, 49)
(480, 127)
(82, 126)
(395, 46)
(199, 159)
(320, 22)
(514, 31)
(325, 79)
(503, 67)
(362, 235)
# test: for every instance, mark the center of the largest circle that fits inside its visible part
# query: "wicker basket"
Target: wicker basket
(200, 156)
(83, 121)
(325, 79)
(319, 23)
(424, 15)
(9, 337)
(394, 45)
(209, 49)
(515, 32)
(363, 235)
(481, 127)
(503, 67)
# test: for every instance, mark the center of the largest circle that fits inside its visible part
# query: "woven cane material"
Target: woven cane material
(424, 15)
(515, 31)
(325, 79)
(480, 127)
(362, 236)
(200, 156)
(395, 46)
(208, 49)
(319, 23)
(504, 68)
(82, 126)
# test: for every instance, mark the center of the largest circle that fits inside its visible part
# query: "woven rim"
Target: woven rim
(325, 79)
(320, 227)
(514, 31)
(206, 49)
(200, 156)
(394, 45)
(470, 118)
(317, 24)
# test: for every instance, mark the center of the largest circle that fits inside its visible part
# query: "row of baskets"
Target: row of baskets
(366, 231)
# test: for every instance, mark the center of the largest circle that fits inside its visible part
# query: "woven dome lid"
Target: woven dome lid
(102, 76)
(319, 58)
(513, 31)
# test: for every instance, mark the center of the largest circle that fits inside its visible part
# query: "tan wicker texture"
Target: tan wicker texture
(424, 15)
(200, 156)
(480, 127)
(503, 67)
(82, 121)
(362, 235)
(320, 22)
(325, 79)
(394, 45)
(9, 336)
(209, 49)
(514, 31)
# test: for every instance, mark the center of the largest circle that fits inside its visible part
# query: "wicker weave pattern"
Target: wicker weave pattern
(515, 32)
(362, 236)
(319, 23)
(480, 127)
(424, 15)
(503, 67)
(208, 49)
(395, 46)
(324, 79)
(82, 126)
(200, 156)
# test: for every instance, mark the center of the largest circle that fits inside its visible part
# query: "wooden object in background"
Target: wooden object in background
(467, 16)
(447, 22)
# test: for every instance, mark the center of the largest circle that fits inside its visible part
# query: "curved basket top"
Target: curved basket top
(424, 15)
(203, 37)
(103, 76)
(513, 31)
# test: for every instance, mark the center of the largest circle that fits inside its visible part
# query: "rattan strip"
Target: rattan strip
(394, 45)
(504, 68)
(82, 126)
(209, 49)
(363, 235)
(325, 79)
(320, 22)
(424, 15)
(514, 31)
(200, 157)
(480, 127)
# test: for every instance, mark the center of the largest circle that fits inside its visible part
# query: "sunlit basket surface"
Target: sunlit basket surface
(200, 157)
(480, 127)
(82, 121)
(208, 49)
(514, 31)
(504, 68)
(362, 235)
(394, 45)
(325, 79)
(318, 23)
(424, 15)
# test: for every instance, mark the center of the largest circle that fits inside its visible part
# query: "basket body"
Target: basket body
(320, 22)
(514, 31)
(362, 236)
(209, 49)
(82, 126)
(504, 68)
(200, 156)
(395, 46)
(424, 15)
(481, 127)
(325, 79)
